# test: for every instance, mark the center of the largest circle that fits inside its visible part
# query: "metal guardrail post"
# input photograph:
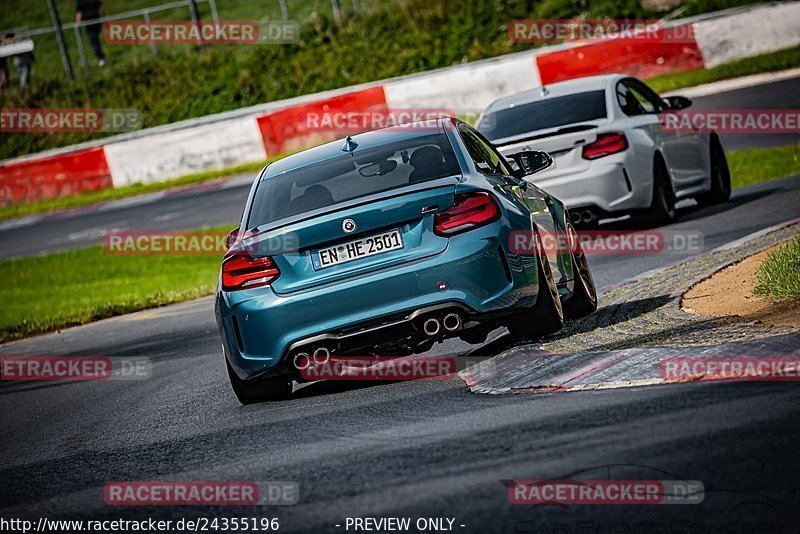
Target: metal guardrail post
(62, 46)
(81, 51)
(212, 4)
(196, 20)
(153, 46)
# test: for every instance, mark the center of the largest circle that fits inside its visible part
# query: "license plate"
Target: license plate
(356, 249)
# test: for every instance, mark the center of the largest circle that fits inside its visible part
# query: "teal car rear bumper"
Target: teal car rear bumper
(475, 274)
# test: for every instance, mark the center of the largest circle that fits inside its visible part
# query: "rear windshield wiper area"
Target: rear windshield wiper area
(561, 131)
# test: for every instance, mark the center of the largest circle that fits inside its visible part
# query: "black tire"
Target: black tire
(720, 177)
(584, 294)
(261, 389)
(547, 316)
(662, 206)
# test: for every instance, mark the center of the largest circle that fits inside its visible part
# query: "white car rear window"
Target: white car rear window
(544, 115)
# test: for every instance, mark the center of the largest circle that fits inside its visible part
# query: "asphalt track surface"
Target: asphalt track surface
(220, 203)
(411, 449)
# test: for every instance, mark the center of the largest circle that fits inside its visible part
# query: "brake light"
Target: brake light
(605, 145)
(241, 271)
(470, 210)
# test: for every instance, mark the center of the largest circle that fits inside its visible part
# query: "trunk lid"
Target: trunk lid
(565, 145)
(294, 245)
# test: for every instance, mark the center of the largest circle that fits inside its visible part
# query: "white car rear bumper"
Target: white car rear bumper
(614, 184)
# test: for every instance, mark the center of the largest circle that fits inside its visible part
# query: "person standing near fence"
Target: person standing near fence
(90, 10)
(3, 74)
(22, 63)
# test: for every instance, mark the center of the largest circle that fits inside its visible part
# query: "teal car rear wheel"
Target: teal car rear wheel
(547, 315)
(584, 294)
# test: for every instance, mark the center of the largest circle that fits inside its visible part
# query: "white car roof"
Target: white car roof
(569, 87)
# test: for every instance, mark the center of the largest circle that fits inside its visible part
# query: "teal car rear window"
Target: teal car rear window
(349, 176)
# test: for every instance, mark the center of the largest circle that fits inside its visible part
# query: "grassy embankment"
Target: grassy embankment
(778, 277)
(387, 39)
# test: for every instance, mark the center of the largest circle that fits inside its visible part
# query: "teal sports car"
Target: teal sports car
(386, 243)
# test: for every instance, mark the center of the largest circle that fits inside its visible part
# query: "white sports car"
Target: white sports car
(612, 156)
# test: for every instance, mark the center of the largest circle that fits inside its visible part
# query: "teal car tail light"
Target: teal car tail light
(241, 271)
(471, 210)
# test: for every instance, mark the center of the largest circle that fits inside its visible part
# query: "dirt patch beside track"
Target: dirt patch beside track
(729, 292)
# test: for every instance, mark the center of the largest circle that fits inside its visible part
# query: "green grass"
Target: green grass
(46, 293)
(774, 61)
(761, 164)
(779, 275)
(93, 197)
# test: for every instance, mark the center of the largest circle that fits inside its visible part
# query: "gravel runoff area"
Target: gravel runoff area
(638, 324)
